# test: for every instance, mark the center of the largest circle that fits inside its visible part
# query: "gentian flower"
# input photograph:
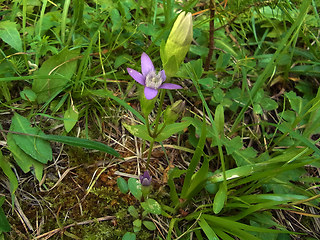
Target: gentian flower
(151, 80)
(145, 179)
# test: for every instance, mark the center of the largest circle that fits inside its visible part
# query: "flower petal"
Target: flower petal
(146, 64)
(170, 86)
(150, 93)
(146, 174)
(163, 75)
(137, 76)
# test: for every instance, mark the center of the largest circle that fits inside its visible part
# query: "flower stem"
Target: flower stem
(154, 134)
(156, 125)
(149, 154)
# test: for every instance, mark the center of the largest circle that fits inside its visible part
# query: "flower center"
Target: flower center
(153, 80)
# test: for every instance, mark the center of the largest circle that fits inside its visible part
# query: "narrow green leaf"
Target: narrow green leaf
(219, 120)
(109, 94)
(198, 180)
(6, 168)
(80, 142)
(220, 198)
(194, 161)
(4, 224)
(269, 69)
(211, 235)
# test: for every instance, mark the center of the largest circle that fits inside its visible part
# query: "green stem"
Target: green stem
(149, 154)
(156, 125)
(154, 134)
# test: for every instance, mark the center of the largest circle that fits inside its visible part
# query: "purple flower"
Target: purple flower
(145, 179)
(150, 79)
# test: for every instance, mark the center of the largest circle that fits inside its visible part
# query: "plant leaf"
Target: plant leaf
(140, 131)
(80, 142)
(133, 211)
(63, 65)
(70, 118)
(151, 206)
(135, 188)
(171, 129)
(6, 168)
(37, 148)
(10, 35)
(129, 236)
(122, 184)
(24, 161)
(220, 198)
(4, 224)
(149, 225)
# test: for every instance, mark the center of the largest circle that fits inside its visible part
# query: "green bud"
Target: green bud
(178, 44)
(172, 113)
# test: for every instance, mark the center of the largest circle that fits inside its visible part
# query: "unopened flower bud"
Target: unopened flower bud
(178, 44)
(145, 179)
(172, 113)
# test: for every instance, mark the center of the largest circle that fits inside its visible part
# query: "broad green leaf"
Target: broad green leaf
(220, 198)
(63, 66)
(129, 236)
(217, 96)
(10, 35)
(133, 211)
(115, 19)
(122, 59)
(244, 156)
(122, 184)
(151, 206)
(4, 224)
(268, 104)
(28, 95)
(80, 142)
(137, 225)
(70, 118)
(171, 129)
(297, 103)
(24, 161)
(235, 144)
(135, 188)
(140, 131)
(6, 168)
(149, 225)
(37, 148)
